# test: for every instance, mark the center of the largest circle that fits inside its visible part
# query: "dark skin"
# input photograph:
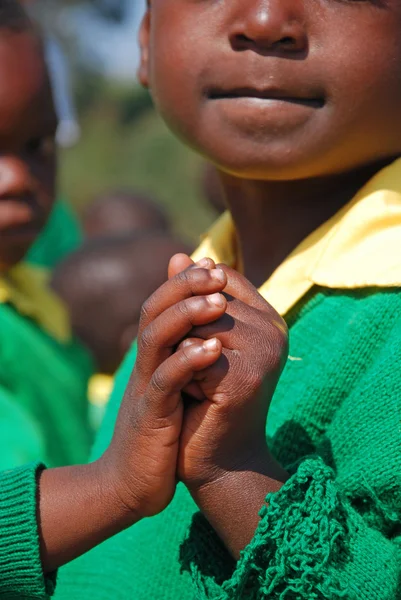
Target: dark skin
(296, 102)
(27, 147)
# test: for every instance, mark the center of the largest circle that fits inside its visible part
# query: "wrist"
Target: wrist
(116, 488)
(232, 501)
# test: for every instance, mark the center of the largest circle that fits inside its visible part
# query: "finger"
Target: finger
(157, 342)
(163, 393)
(191, 282)
(178, 263)
(193, 389)
(242, 326)
(242, 289)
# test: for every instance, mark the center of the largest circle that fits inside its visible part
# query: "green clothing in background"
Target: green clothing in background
(43, 395)
(61, 236)
(334, 530)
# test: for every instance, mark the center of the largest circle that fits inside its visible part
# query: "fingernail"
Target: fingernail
(218, 274)
(216, 300)
(203, 262)
(210, 345)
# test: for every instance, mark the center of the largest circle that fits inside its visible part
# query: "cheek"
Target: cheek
(45, 175)
(175, 64)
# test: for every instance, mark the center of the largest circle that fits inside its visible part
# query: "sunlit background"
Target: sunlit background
(122, 143)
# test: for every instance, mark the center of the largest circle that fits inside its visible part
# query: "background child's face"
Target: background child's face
(278, 89)
(27, 148)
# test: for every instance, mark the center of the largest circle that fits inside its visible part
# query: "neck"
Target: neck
(272, 218)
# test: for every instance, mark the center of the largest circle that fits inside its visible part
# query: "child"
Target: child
(123, 212)
(43, 372)
(309, 170)
(104, 285)
(297, 104)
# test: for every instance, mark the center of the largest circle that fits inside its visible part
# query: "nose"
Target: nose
(266, 26)
(15, 178)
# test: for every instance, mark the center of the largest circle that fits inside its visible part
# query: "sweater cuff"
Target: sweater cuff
(21, 574)
(301, 538)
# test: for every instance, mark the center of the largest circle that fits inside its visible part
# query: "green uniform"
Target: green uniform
(334, 528)
(61, 236)
(43, 395)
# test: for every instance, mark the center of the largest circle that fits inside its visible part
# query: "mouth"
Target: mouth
(265, 95)
(19, 217)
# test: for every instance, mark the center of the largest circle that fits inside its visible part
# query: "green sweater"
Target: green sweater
(61, 236)
(43, 399)
(333, 530)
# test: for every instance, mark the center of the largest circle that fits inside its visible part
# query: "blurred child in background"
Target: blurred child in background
(123, 211)
(104, 285)
(43, 370)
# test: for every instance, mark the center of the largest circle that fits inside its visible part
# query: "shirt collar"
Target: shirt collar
(26, 288)
(358, 247)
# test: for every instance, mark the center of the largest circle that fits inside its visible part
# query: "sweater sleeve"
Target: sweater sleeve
(333, 530)
(21, 574)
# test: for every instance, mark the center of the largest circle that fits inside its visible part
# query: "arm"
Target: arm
(135, 477)
(231, 504)
(79, 507)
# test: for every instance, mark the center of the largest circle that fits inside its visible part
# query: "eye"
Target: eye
(43, 146)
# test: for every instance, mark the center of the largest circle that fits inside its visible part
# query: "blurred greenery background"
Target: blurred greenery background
(125, 144)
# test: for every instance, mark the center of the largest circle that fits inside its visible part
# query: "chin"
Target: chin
(10, 257)
(267, 165)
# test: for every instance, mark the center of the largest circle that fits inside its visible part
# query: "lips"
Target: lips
(268, 94)
(18, 215)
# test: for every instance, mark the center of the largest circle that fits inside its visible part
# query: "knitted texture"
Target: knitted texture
(21, 574)
(302, 535)
(334, 529)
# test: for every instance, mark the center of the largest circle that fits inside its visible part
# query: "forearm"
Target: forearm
(77, 510)
(232, 502)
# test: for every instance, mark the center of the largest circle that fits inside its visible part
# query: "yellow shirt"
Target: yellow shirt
(26, 288)
(359, 247)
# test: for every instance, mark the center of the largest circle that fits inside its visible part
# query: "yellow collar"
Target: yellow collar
(100, 388)
(26, 288)
(359, 247)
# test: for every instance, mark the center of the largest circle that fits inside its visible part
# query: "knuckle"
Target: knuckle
(187, 355)
(184, 309)
(146, 310)
(183, 279)
(147, 339)
(159, 382)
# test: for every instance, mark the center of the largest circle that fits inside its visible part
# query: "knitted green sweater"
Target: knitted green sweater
(42, 418)
(333, 530)
(43, 399)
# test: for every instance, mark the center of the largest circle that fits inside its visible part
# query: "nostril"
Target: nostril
(286, 41)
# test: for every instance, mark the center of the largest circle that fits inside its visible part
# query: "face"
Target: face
(27, 147)
(278, 89)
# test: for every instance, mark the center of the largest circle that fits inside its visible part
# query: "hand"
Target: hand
(225, 430)
(141, 461)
